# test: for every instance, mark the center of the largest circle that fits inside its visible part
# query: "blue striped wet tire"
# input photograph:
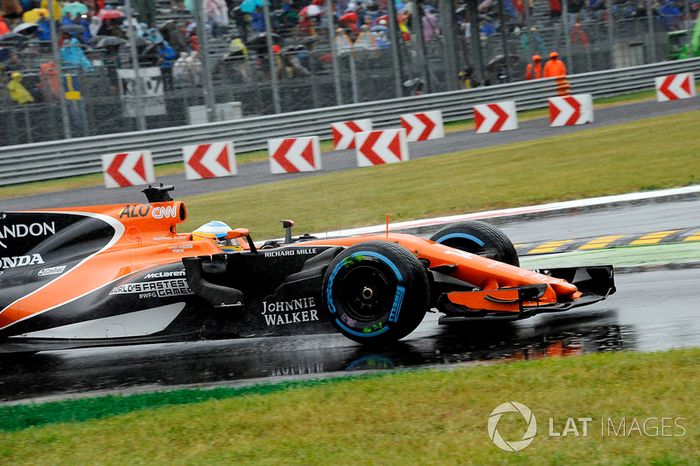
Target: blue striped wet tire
(478, 238)
(376, 292)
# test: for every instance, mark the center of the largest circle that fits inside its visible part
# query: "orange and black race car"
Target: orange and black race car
(123, 274)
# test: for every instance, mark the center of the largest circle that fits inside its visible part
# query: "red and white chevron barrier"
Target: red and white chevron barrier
(571, 110)
(294, 155)
(380, 147)
(498, 116)
(423, 126)
(675, 86)
(344, 132)
(209, 160)
(128, 169)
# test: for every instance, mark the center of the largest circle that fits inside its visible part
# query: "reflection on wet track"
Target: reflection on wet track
(652, 310)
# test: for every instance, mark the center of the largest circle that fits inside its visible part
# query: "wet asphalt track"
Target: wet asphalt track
(627, 219)
(256, 173)
(651, 311)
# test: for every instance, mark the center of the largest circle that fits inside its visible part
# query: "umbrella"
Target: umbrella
(110, 41)
(105, 15)
(33, 16)
(75, 9)
(95, 39)
(259, 42)
(249, 6)
(12, 38)
(499, 61)
(310, 10)
(382, 20)
(25, 28)
(236, 46)
(350, 17)
(293, 49)
(140, 42)
(72, 29)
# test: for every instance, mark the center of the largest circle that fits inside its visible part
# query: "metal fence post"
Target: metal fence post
(140, 113)
(650, 23)
(207, 87)
(334, 53)
(475, 37)
(59, 70)
(449, 44)
(395, 50)
(567, 36)
(314, 83)
(530, 47)
(689, 23)
(420, 45)
(27, 122)
(504, 38)
(271, 58)
(353, 78)
(611, 33)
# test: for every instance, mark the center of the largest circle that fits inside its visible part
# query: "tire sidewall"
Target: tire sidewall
(476, 236)
(404, 296)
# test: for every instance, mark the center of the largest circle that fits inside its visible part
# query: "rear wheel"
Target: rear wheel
(376, 292)
(479, 238)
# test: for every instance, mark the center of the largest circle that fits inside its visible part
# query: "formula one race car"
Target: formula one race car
(122, 274)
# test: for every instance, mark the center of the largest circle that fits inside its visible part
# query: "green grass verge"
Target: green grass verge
(643, 155)
(76, 182)
(421, 416)
(23, 416)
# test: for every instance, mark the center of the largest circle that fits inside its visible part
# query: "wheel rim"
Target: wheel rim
(367, 293)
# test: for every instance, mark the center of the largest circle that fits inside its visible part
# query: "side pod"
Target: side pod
(216, 295)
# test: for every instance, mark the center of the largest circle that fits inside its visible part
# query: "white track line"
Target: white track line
(581, 203)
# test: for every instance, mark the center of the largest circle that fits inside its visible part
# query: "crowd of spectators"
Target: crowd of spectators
(95, 33)
(669, 13)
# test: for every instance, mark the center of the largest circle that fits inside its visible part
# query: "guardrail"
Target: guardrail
(58, 159)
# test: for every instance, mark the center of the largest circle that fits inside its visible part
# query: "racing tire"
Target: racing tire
(479, 238)
(376, 292)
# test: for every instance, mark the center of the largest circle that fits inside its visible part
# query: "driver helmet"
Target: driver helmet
(216, 231)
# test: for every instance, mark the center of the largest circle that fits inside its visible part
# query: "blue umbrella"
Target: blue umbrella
(75, 9)
(249, 6)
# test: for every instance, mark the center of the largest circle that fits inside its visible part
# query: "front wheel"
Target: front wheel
(479, 238)
(376, 292)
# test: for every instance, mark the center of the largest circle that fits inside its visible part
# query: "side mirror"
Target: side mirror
(238, 233)
(242, 233)
(287, 225)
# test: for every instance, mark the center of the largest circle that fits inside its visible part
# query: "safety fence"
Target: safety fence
(57, 159)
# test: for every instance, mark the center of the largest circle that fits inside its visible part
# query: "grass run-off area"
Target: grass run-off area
(409, 417)
(96, 179)
(643, 155)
